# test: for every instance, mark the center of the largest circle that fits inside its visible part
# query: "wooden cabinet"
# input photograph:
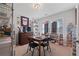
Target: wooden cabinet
(23, 37)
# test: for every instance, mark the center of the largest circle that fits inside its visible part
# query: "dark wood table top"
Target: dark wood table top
(37, 38)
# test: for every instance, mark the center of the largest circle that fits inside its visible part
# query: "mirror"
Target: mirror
(24, 21)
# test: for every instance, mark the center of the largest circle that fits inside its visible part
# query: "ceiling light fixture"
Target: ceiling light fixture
(36, 6)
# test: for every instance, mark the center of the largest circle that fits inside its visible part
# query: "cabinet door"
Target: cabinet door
(23, 38)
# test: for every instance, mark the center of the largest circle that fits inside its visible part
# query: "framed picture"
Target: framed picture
(24, 21)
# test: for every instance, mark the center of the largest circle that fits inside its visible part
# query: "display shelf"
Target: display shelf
(5, 10)
(5, 13)
(35, 28)
(1, 17)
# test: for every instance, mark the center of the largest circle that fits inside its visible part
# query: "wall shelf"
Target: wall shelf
(5, 13)
(6, 18)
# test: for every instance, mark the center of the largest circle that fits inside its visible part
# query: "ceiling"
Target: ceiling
(26, 9)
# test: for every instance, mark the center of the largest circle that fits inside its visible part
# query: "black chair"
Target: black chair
(46, 44)
(32, 45)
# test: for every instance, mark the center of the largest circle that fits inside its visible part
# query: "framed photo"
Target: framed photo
(24, 21)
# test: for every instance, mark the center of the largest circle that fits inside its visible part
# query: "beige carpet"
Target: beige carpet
(56, 50)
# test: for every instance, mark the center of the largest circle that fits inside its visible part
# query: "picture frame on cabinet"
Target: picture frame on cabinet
(24, 21)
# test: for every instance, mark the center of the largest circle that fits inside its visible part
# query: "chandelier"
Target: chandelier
(36, 6)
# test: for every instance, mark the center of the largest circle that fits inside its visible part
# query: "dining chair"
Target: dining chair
(61, 39)
(46, 44)
(53, 37)
(32, 45)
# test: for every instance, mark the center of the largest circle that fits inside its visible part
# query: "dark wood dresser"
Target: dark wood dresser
(23, 37)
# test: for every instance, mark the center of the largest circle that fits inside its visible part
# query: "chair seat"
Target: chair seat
(46, 39)
(33, 45)
(44, 44)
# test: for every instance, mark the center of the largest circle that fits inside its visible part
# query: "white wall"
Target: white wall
(77, 44)
(67, 17)
(16, 17)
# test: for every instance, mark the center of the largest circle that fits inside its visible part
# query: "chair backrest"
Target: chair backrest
(61, 37)
(46, 40)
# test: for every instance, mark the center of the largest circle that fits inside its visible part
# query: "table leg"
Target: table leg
(39, 48)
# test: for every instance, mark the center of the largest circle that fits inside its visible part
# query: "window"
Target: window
(60, 26)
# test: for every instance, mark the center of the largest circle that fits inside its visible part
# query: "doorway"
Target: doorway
(54, 27)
